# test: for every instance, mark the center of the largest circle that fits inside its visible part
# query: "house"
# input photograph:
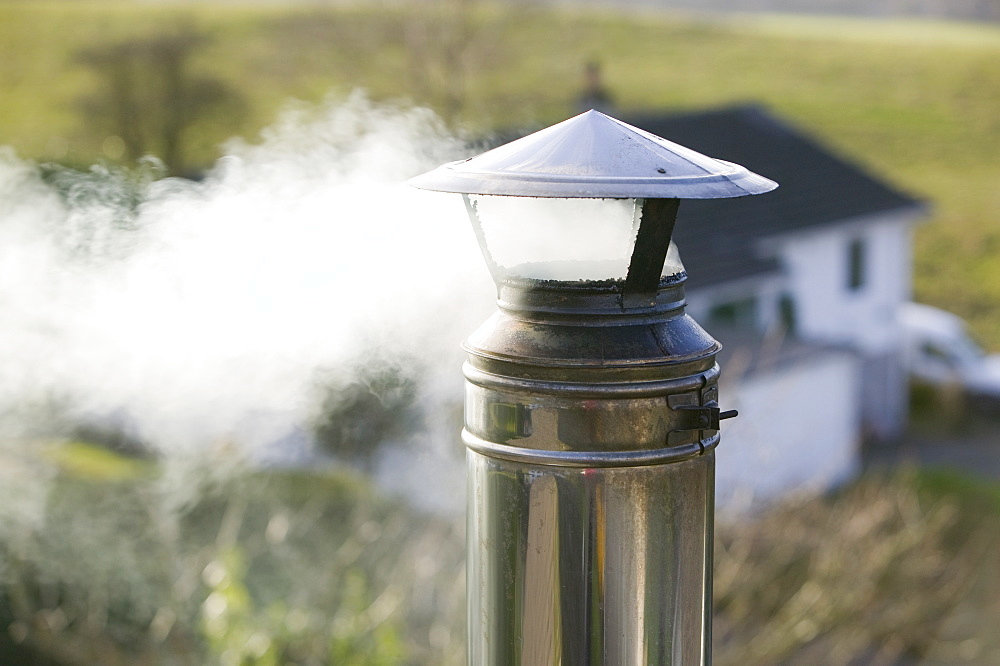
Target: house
(802, 287)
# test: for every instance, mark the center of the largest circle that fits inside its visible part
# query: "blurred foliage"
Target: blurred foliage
(83, 459)
(376, 407)
(888, 571)
(237, 632)
(148, 97)
(318, 568)
(264, 568)
(100, 201)
(946, 411)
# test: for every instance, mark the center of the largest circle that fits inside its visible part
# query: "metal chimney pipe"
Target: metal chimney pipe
(592, 417)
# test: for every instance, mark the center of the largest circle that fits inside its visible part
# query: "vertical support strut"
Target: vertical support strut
(652, 242)
(477, 228)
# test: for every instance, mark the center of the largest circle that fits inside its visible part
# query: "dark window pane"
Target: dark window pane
(736, 314)
(856, 264)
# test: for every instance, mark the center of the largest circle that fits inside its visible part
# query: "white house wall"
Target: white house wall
(817, 274)
(766, 290)
(797, 428)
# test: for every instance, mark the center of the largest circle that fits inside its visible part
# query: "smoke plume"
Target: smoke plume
(203, 319)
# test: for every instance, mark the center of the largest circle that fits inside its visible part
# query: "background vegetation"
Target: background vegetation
(915, 101)
(293, 568)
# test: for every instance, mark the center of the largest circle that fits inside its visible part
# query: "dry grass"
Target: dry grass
(884, 573)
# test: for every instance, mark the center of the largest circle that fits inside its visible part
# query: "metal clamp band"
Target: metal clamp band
(617, 391)
(590, 458)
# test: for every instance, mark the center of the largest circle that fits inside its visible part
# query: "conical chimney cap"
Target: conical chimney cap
(593, 155)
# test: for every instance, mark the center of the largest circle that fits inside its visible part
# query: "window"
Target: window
(856, 264)
(735, 314)
(937, 354)
(786, 312)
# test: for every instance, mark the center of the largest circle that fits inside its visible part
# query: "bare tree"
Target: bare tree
(448, 44)
(149, 97)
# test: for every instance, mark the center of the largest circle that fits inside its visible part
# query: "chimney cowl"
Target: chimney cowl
(593, 155)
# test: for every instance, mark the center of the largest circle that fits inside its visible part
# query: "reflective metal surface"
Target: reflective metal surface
(593, 155)
(589, 565)
(591, 478)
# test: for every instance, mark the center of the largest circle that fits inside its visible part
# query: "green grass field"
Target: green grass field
(916, 101)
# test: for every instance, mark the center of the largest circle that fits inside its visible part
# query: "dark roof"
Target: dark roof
(717, 237)
(747, 351)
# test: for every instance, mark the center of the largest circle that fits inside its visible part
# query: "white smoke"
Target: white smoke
(199, 316)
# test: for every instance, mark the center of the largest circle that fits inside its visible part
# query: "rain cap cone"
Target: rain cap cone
(593, 155)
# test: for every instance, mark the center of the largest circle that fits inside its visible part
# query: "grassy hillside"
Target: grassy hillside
(915, 101)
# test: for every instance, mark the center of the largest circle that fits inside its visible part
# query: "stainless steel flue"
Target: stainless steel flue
(592, 403)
